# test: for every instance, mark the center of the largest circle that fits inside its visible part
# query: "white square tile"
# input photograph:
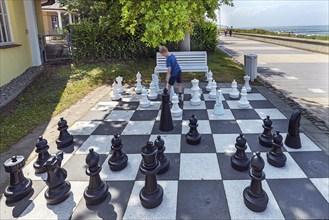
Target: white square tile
(138, 127)
(100, 143)
(272, 112)
(225, 143)
(307, 144)
(203, 128)
(255, 96)
(187, 105)
(166, 210)
(155, 105)
(172, 142)
(131, 98)
(201, 166)
(238, 210)
(226, 90)
(227, 115)
(128, 173)
(322, 185)
(84, 127)
(103, 106)
(189, 91)
(233, 104)
(179, 118)
(120, 115)
(207, 98)
(250, 126)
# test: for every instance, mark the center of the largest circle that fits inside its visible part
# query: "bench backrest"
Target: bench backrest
(185, 58)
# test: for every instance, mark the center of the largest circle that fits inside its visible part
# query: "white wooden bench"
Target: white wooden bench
(189, 61)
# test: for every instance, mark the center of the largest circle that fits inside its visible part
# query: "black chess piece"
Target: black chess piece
(239, 160)
(164, 162)
(19, 186)
(275, 156)
(266, 138)
(118, 160)
(58, 189)
(193, 137)
(43, 155)
(97, 190)
(151, 194)
(255, 198)
(65, 139)
(293, 137)
(166, 122)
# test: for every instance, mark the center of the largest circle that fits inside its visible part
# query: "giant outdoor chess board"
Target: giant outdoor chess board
(200, 184)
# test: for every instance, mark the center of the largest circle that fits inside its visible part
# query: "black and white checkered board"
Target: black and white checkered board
(200, 183)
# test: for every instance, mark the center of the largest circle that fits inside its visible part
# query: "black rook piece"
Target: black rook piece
(255, 198)
(65, 139)
(97, 190)
(19, 186)
(151, 194)
(166, 123)
(193, 137)
(43, 155)
(118, 160)
(293, 138)
(58, 189)
(164, 162)
(239, 160)
(275, 156)
(265, 138)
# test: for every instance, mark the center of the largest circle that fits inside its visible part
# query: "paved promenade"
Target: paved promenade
(299, 74)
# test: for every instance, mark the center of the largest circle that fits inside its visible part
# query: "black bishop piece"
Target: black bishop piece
(65, 139)
(193, 137)
(43, 155)
(293, 137)
(164, 162)
(275, 156)
(239, 160)
(266, 138)
(118, 160)
(166, 122)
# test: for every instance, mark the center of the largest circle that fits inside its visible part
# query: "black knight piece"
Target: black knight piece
(193, 137)
(239, 160)
(275, 156)
(166, 122)
(43, 155)
(293, 137)
(97, 190)
(19, 186)
(151, 194)
(255, 198)
(58, 189)
(65, 139)
(266, 138)
(118, 160)
(164, 162)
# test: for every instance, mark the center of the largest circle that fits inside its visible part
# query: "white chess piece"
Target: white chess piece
(195, 100)
(120, 87)
(195, 86)
(139, 86)
(145, 102)
(115, 96)
(246, 83)
(208, 87)
(155, 80)
(219, 108)
(234, 94)
(176, 111)
(243, 102)
(152, 94)
(213, 92)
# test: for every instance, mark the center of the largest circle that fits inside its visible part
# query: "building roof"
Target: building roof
(55, 6)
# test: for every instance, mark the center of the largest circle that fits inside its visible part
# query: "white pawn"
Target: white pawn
(213, 92)
(155, 80)
(246, 83)
(243, 102)
(176, 111)
(219, 108)
(139, 86)
(195, 100)
(145, 102)
(115, 96)
(208, 87)
(120, 87)
(152, 94)
(195, 86)
(234, 94)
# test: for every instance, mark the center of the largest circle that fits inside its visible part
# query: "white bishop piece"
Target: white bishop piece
(246, 83)
(234, 94)
(152, 94)
(115, 96)
(145, 102)
(218, 108)
(213, 92)
(195, 86)
(176, 111)
(120, 87)
(139, 86)
(155, 80)
(208, 87)
(243, 102)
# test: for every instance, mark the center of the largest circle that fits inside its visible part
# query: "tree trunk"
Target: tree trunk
(185, 45)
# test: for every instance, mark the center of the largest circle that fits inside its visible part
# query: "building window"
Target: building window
(5, 31)
(54, 22)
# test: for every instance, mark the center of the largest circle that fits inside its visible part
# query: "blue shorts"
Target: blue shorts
(177, 78)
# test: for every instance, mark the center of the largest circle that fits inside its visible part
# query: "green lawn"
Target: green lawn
(61, 86)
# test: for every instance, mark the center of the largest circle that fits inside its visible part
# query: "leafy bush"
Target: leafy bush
(204, 36)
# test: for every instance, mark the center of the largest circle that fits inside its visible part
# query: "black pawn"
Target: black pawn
(166, 123)
(118, 160)
(255, 198)
(19, 186)
(151, 194)
(193, 137)
(164, 162)
(65, 139)
(266, 138)
(58, 189)
(293, 137)
(239, 160)
(275, 156)
(43, 155)
(97, 190)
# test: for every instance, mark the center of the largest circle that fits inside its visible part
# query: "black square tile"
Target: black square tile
(210, 105)
(224, 127)
(261, 104)
(245, 114)
(132, 144)
(227, 171)
(177, 128)
(201, 114)
(127, 106)
(206, 145)
(201, 200)
(95, 115)
(144, 115)
(280, 125)
(254, 145)
(110, 128)
(78, 140)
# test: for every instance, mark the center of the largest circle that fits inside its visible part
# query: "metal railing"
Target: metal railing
(55, 47)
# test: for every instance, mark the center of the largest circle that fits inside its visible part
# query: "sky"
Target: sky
(266, 13)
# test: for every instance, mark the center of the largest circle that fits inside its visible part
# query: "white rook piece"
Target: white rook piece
(195, 86)
(246, 83)
(139, 86)
(152, 94)
(219, 108)
(115, 96)
(243, 102)
(208, 87)
(155, 80)
(145, 102)
(234, 94)
(120, 87)
(213, 92)
(176, 111)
